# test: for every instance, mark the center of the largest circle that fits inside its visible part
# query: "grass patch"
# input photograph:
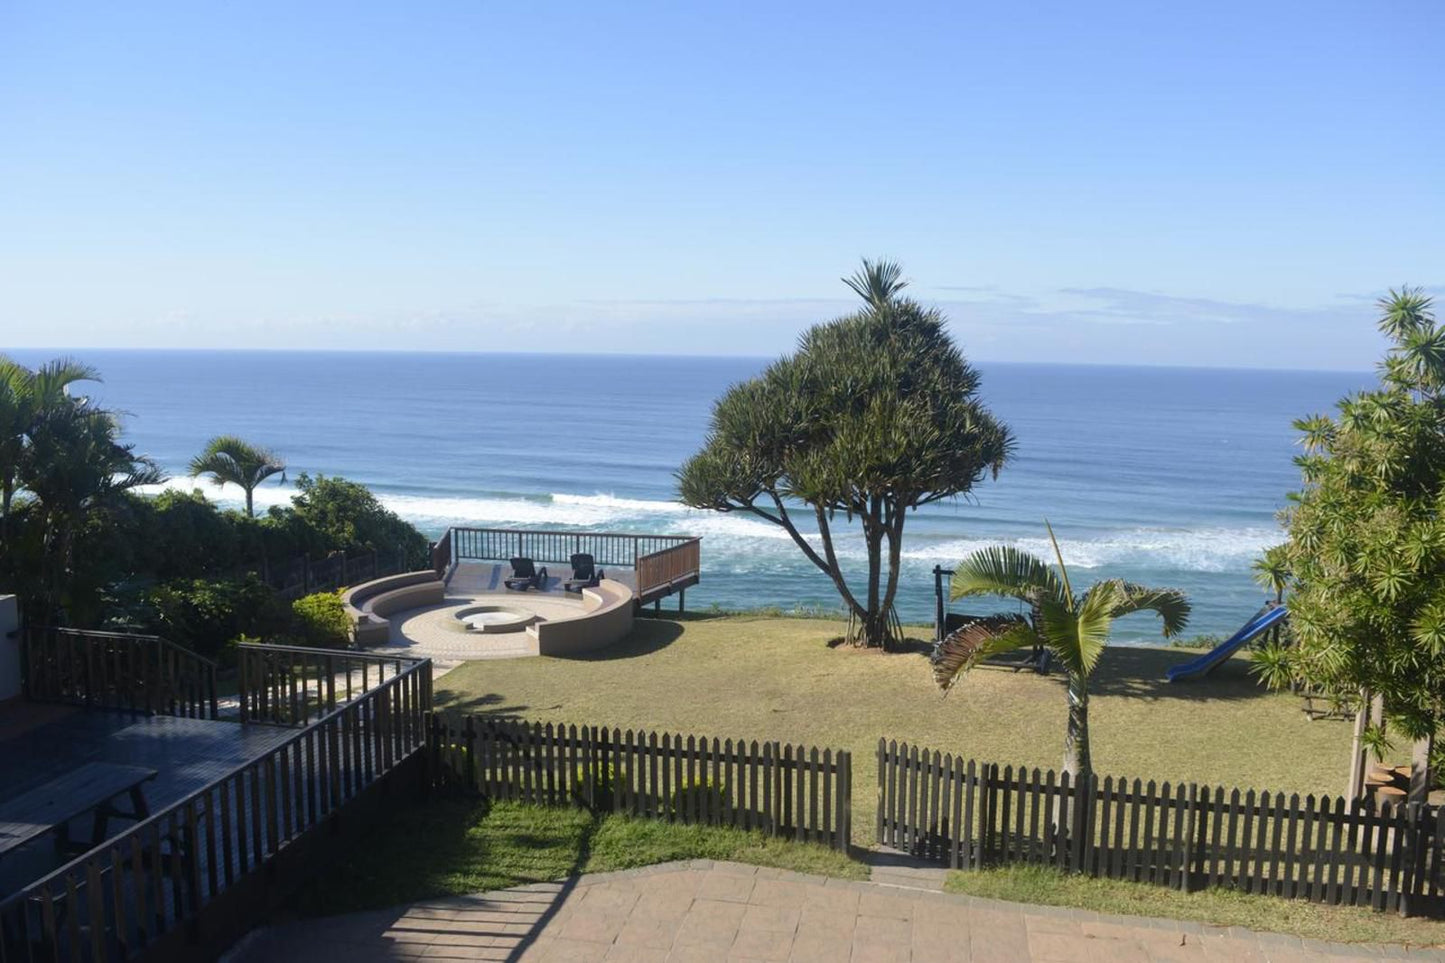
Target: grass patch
(449, 846)
(769, 678)
(1346, 924)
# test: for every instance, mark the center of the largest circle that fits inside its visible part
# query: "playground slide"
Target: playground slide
(1206, 663)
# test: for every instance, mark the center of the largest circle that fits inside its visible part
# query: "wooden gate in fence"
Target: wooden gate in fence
(784, 790)
(966, 815)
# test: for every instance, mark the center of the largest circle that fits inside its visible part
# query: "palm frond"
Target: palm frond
(978, 640)
(1006, 571)
(1171, 605)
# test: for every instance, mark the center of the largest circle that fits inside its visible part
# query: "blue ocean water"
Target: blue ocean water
(1167, 476)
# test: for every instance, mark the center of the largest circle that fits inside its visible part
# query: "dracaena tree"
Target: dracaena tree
(874, 415)
(1074, 628)
(227, 458)
(1365, 556)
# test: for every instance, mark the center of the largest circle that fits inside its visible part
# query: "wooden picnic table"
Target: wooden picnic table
(90, 788)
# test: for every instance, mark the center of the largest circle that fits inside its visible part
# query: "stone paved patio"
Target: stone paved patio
(705, 911)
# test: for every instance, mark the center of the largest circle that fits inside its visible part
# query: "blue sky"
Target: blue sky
(1222, 183)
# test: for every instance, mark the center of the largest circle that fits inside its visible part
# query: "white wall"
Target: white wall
(9, 647)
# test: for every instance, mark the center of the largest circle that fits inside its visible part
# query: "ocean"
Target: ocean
(1167, 476)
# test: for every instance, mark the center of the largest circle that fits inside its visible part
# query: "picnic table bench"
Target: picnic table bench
(91, 788)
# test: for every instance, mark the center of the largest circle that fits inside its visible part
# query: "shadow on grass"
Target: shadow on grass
(1139, 674)
(648, 636)
(490, 703)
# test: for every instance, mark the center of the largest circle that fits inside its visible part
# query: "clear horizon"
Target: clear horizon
(1123, 184)
(79, 352)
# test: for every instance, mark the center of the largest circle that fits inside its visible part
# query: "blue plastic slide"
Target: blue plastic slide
(1209, 661)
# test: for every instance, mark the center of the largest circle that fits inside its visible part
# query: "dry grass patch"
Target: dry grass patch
(771, 678)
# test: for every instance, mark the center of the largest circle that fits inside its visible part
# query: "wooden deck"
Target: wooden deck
(39, 743)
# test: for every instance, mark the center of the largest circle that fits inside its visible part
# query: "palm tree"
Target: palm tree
(75, 467)
(1075, 628)
(26, 399)
(227, 458)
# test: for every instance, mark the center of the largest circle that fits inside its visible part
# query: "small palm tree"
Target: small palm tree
(227, 458)
(1075, 628)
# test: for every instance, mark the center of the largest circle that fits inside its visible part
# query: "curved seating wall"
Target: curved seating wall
(370, 603)
(607, 618)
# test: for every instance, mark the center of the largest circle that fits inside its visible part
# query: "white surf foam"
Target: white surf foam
(740, 542)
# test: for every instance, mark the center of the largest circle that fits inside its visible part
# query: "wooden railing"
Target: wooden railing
(968, 815)
(184, 871)
(782, 790)
(113, 670)
(675, 566)
(290, 685)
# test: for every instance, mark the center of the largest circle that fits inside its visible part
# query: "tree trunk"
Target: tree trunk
(249, 512)
(1420, 781)
(1358, 762)
(1077, 762)
(875, 625)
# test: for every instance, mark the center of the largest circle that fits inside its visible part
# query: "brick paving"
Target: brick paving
(706, 911)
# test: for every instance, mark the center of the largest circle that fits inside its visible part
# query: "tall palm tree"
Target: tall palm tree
(227, 458)
(1075, 628)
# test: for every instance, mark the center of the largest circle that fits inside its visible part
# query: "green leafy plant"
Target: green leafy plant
(231, 460)
(320, 620)
(1364, 563)
(1075, 628)
(875, 415)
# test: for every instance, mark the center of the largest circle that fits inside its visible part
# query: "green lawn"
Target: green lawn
(449, 846)
(776, 678)
(1041, 885)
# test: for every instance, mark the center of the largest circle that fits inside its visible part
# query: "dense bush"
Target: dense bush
(333, 513)
(320, 620)
(207, 615)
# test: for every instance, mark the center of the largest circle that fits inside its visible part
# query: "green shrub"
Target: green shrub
(702, 796)
(320, 620)
(205, 615)
(604, 782)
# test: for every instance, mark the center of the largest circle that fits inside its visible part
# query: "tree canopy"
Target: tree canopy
(874, 415)
(1365, 557)
(228, 459)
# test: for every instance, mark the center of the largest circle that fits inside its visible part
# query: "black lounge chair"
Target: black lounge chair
(525, 575)
(585, 573)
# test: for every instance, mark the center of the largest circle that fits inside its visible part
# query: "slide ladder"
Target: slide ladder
(1258, 623)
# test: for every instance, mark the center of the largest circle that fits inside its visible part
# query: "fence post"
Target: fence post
(882, 779)
(845, 801)
(1186, 867)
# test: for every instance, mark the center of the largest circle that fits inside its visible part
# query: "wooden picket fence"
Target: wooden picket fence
(967, 815)
(783, 790)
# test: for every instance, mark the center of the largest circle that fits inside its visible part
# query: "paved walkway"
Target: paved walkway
(705, 911)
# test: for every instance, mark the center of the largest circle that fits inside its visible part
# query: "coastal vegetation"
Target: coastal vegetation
(1074, 628)
(1364, 564)
(82, 547)
(686, 676)
(875, 414)
(235, 461)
